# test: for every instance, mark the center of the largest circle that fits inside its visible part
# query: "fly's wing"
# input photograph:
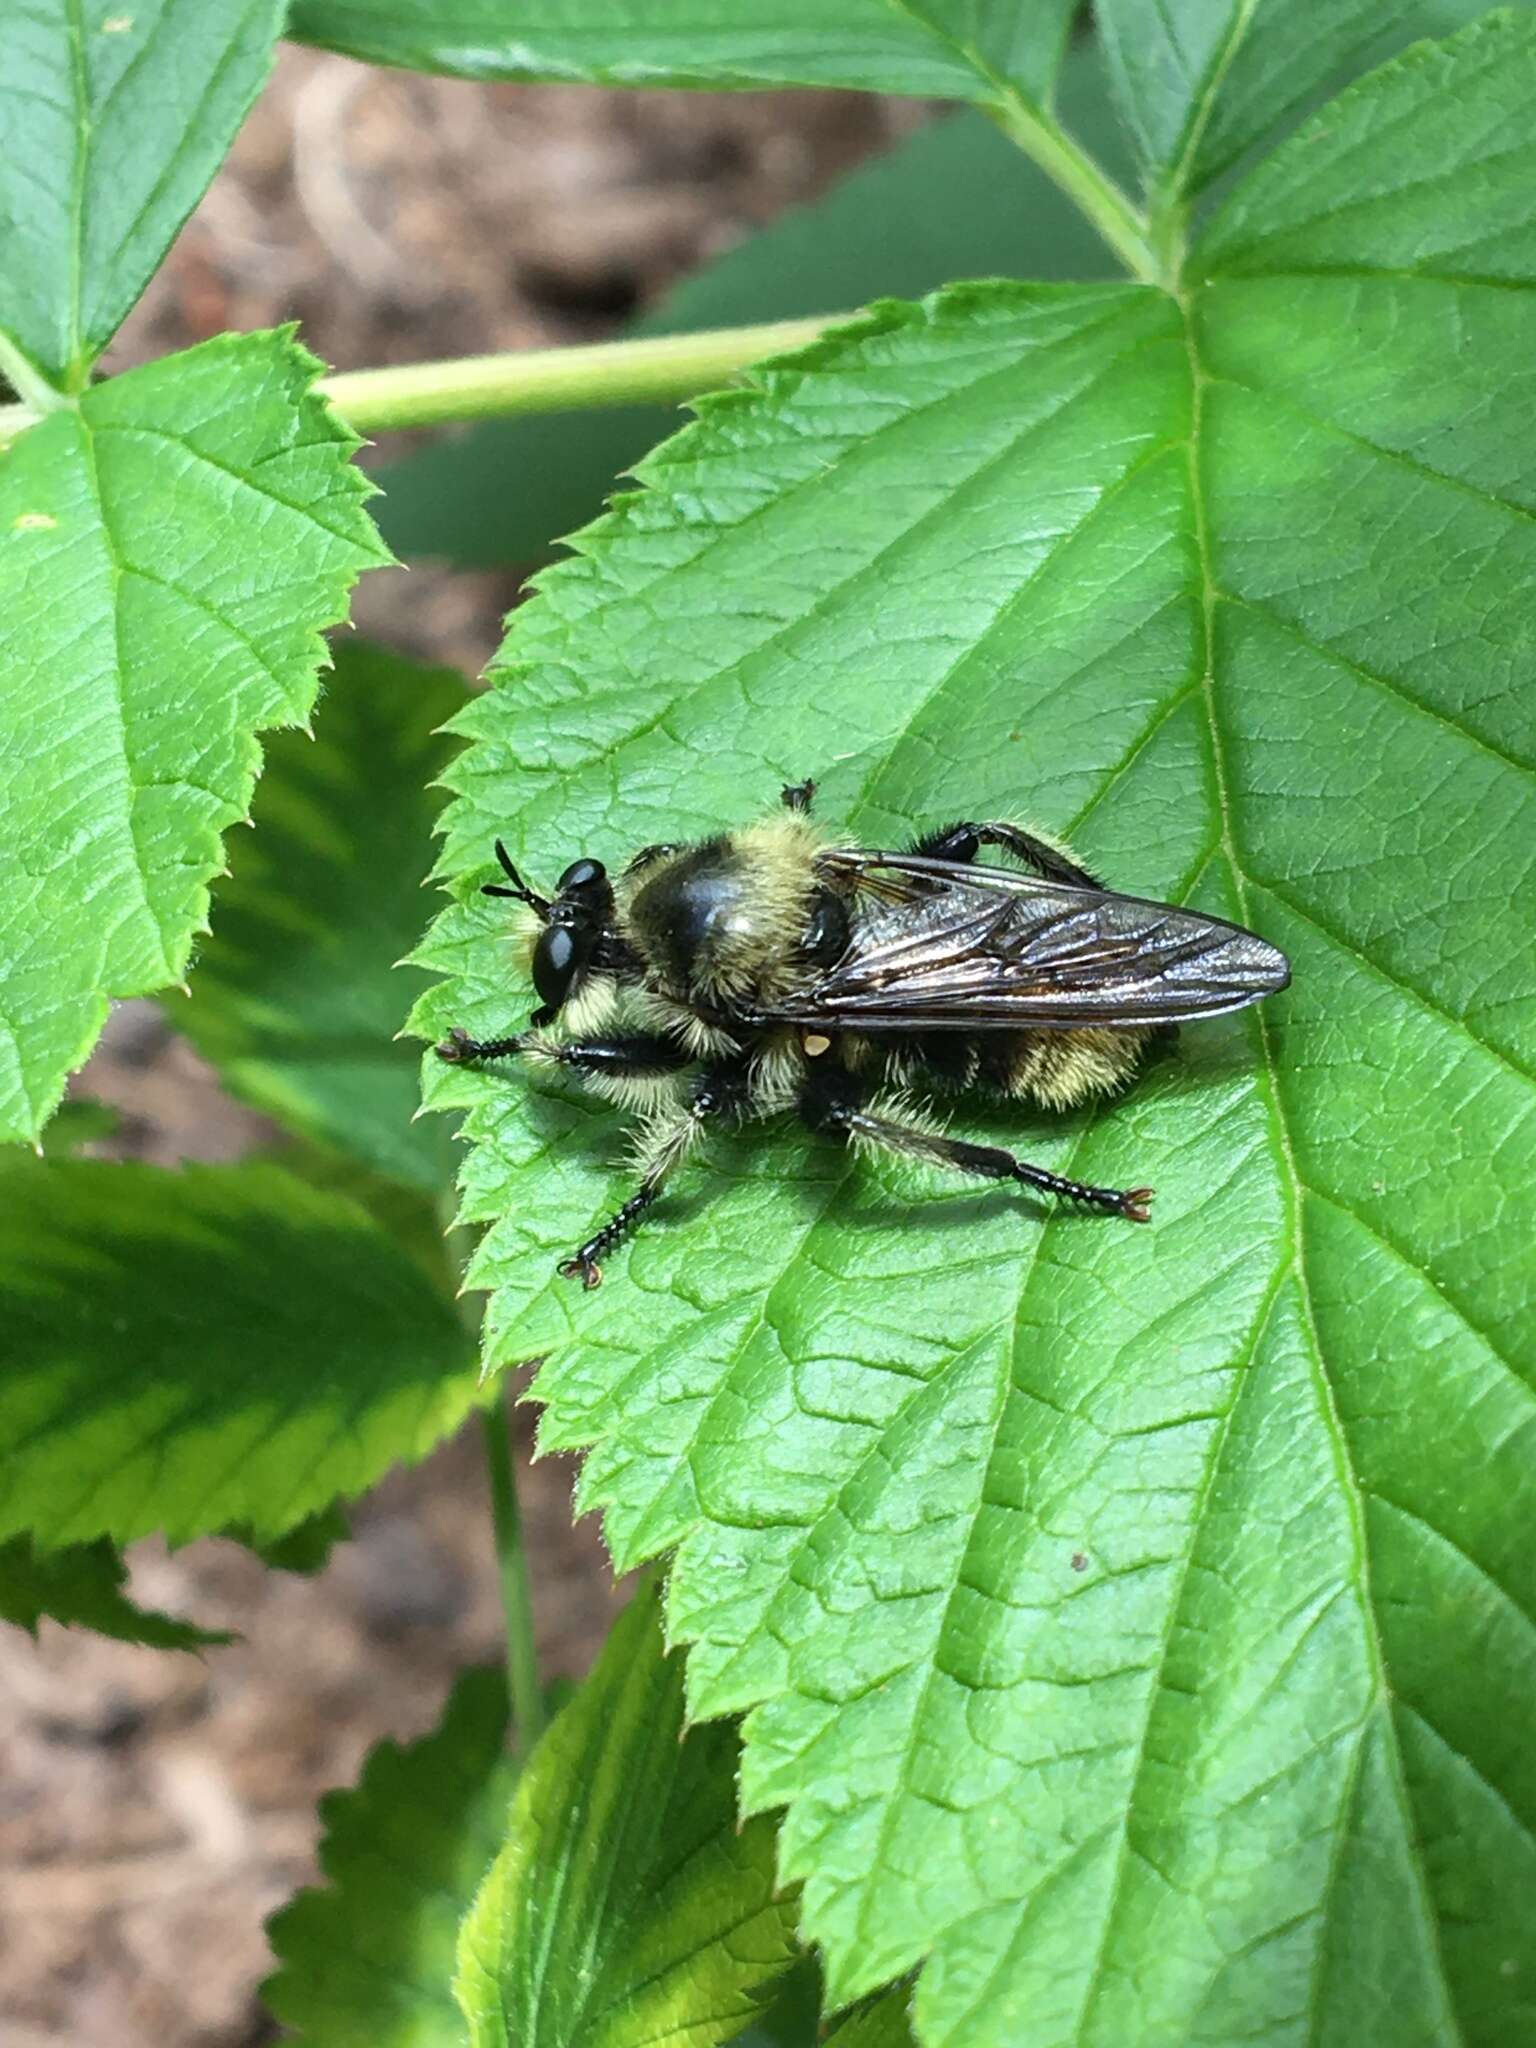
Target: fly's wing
(939, 946)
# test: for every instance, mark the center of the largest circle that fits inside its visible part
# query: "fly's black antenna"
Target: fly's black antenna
(519, 889)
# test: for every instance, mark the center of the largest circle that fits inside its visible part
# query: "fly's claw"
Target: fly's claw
(1133, 1204)
(588, 1271)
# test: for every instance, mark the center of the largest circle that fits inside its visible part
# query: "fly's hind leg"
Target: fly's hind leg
(720, 1092)
(798, 796)
(964, 842)
(838, 1103)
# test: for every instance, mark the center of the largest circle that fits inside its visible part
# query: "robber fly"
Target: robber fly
(769, 969)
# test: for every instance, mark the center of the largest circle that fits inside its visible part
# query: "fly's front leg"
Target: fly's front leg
(458, 1049)
(721, 1092)
(838, 1103)
(798, 796)
(962, 843)
(638, 1057)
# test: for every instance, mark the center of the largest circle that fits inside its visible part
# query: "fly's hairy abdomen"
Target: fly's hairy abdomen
(1057, 1069)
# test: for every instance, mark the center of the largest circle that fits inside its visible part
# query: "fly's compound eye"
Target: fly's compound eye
(558, 958)
(580, 875)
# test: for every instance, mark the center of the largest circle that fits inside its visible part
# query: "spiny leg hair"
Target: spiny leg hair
(836, 1102)
(629, 1055)
(721, 1091)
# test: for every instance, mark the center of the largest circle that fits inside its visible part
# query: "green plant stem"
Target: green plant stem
(523, 1686)
(1095, 194)
(1168, 235)
(29, 384)
(668, 366)
(660, 367)
(516, 1590)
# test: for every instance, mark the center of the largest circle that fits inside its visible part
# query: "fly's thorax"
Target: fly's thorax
(723, 921)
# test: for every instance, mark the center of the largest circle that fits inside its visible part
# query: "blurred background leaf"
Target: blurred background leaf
(83, 1586)
(366, 1960)
(212, 1347)
(955, 49)
(298, 996)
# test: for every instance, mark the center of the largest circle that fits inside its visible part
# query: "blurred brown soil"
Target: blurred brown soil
(154, 1807)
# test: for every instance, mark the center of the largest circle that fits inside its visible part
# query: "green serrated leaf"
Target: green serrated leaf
(82, 1587)
(112, 121)
(168, 553)
(956, 199)
(81, 1122)
(1308, 208)
(794, 2019)
(297, 999)
(626, 1904)
(884, 2023)
(792, 2016)
(367, 1962)
(949, 49)
(411, 1216)
(305, 1548)
(1134, 1624)
(221, 1345)
(1199, 84)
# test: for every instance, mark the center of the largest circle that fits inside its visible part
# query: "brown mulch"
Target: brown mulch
(153, 1807)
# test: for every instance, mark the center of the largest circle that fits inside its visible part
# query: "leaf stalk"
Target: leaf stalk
(38, 396)
(653, 367)
(1168, 236)
(1091, 189)
(664, 368)
(516, 1590)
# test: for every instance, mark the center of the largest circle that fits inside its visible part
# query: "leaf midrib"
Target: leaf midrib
(127, 780)
(233, 50)
(1198, 118)
(1005, 90)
